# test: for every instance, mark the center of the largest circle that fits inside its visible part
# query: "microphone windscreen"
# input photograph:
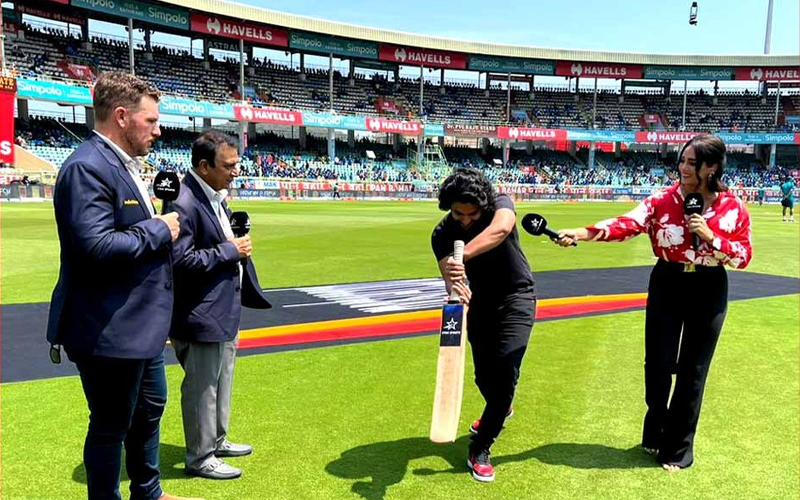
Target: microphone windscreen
(166, 186)
(240, 224)
(534, 224)
(693, 204)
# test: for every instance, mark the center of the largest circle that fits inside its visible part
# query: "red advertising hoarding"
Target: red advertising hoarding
(55, 13)
(412, 56)
(258, 34)
(394, 126)
(665, 137)
(8, 92)
(267, 115)
(531, 134)
(597, 70)
(768, 74)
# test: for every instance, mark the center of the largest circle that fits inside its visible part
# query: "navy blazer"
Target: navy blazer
(208, 295)
(114, 292)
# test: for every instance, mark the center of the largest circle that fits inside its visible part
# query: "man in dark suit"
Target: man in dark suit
(211, 285)
(112, 306)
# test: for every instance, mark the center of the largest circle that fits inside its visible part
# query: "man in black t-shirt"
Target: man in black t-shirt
(496, 280)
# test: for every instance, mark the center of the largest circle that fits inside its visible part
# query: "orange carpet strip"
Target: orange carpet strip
(388, 325)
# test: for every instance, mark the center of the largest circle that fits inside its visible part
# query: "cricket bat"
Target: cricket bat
(450, 366)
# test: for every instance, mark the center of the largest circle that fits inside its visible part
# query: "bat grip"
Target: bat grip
(458, 256)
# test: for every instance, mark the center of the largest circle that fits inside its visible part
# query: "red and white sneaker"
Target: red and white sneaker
(473, 429)
(480, 466)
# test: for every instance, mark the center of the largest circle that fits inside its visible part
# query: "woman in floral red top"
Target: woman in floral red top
(688, 291)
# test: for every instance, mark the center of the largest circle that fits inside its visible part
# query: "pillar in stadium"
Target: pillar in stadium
(331, 131)
(506, 143)
(242, 124)
(767, 41)
(594, 119)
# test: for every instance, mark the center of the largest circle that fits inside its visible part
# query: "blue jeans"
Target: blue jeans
(126, 399)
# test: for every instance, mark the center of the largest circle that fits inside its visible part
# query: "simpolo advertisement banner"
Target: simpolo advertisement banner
(758, 137)
(327, 120)
(599, 135)
(687, 73)
(45, 90)
(171, 105)
(512, 65)
(433, 129)
(330, 45)
(8, 90)
(166, 16)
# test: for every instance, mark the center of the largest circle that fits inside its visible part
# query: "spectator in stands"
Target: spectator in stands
(113, 323)
(692, 253)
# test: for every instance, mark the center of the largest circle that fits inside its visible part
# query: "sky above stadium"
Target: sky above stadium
(656, 26)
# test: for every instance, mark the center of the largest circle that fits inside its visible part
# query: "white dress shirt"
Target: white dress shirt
(216, 198)
(133, 166)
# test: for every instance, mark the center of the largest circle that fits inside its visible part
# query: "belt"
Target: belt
(685, 267)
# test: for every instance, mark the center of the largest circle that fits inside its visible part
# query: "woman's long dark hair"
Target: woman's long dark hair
(708, 149)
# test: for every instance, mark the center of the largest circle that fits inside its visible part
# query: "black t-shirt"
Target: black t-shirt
(493, 275)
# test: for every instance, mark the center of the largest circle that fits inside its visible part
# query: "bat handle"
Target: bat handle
(458, 256)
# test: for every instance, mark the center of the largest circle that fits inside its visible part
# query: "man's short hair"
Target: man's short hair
(205, 147)
(117, 88)
(467, 185)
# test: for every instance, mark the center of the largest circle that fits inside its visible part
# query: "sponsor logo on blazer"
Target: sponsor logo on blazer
(130, 202)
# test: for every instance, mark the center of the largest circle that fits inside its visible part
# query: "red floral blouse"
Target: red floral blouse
(661, 216)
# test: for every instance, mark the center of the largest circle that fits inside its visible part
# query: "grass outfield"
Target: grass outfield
(352, 421)
(320, 243)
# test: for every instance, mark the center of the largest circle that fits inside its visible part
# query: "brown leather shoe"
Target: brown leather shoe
(167, 496)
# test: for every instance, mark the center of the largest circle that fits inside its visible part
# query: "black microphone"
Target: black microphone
(166, 187)
(240, 224)
(536, 225)
(693, 204)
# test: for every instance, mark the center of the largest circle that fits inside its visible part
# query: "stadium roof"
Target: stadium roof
(280, 19)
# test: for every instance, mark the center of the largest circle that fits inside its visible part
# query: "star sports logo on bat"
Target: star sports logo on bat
(451, 325)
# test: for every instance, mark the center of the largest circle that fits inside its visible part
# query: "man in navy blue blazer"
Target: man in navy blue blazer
(112, 305)
(211, 285)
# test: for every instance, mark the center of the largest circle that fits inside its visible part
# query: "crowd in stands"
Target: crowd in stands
(274, 156)
(270, 83)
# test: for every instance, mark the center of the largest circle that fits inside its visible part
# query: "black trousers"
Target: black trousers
(499, 337)
(684, 317)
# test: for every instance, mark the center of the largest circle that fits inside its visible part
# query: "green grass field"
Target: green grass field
(352, 421)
